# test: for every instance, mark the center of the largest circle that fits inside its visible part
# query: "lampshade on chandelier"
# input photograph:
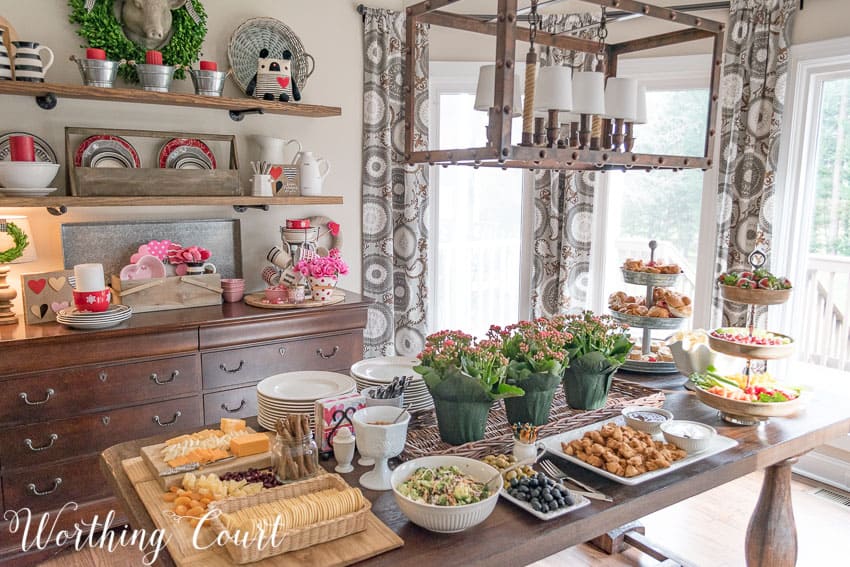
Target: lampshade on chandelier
(582, 120)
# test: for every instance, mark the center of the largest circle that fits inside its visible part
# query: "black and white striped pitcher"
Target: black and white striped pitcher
(28, 63)
(5, 61)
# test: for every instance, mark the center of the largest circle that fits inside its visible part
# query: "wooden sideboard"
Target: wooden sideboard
(67, 395)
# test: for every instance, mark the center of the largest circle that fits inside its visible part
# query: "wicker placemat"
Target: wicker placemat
(423, 436)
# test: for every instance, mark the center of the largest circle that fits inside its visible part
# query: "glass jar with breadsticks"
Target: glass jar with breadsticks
(295, 455)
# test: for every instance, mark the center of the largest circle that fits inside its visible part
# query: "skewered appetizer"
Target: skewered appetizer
(651, 267)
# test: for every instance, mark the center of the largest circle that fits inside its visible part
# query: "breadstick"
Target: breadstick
(308, 460)
(298, 436)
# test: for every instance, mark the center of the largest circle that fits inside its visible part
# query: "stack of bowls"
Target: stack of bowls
(232, 290)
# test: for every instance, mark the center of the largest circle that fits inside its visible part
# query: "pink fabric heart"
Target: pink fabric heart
(58, 306)
(143, 251)
(159, 248)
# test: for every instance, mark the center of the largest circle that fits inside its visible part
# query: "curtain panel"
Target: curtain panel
(563, 205)
(752, 99)
(394, 196)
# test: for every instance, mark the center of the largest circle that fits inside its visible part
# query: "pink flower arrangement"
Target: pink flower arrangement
(193, 254)
(323, 266)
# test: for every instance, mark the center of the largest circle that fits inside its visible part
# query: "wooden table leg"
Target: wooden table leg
(772, 533)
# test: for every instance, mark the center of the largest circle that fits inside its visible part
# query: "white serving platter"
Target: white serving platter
(580, 502)
(553, 445)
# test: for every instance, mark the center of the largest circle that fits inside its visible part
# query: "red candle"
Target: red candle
(153, 58)
(209, 66)
(22, 148)
(298, 223)
(94, 53)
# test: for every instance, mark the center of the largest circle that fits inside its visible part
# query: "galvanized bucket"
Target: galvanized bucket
(155, 78)
(208, 83)
(97, 73)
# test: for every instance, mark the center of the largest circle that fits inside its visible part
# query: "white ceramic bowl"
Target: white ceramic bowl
(447, 519)
(692, 436)
(27, 174)
(651, 427)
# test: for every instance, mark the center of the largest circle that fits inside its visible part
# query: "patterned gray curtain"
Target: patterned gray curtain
(395, 196)
(563, 207)
(752, 98)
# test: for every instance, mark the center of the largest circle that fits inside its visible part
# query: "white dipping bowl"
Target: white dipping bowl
(448, 519)
(27, 174)
(692, 436)
(651, 427)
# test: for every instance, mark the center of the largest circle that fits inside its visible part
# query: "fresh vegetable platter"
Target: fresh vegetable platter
(758, 287)
(763, 398)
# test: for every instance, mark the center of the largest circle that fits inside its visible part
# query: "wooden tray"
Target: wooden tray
(151, 456)
(756, 352)
(749, 409)
(256, 300)
(376, 539)
(754, 296)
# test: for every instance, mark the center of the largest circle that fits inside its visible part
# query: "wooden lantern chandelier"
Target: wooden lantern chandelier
(595, 140)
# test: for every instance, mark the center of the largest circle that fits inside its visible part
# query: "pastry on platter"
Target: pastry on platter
(651, 267)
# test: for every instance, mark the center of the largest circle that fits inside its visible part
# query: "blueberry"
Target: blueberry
(523, 487)
(514, 483)
(569, 501)
(545, 509)
(534, 501)
(536, 506)
(547, 496)
(561, 503)
(533, 482)
(535, 492)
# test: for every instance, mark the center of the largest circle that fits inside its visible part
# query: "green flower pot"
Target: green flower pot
(587, 390)
(461, 421)
(534, 406)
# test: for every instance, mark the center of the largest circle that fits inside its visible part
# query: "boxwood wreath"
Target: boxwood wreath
(20, 239)
(102, 30)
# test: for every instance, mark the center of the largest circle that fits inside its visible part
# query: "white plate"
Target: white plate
(92, 326)
(112, 309)
(553, 445)
(25, 192)
(382, 370)
(288, 404)
(304, 385)
(580, 502)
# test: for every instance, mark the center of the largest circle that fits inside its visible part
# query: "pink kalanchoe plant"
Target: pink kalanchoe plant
(323, 266)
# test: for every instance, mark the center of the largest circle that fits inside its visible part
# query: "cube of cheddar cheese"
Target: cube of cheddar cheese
(230, 425)
(250, 444)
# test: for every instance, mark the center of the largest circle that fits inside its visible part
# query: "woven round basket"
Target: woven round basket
(266, 33)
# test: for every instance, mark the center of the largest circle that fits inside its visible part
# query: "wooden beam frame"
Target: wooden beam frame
(500, 152)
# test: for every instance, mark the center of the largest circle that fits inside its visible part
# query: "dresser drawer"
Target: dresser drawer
(236, 403)
(65, 393)
(41, 443)
(51, 486)
(251, 364)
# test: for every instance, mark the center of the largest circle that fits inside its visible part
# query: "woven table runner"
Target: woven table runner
(423, 436)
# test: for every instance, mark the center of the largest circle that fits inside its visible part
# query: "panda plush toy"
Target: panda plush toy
(274, 80)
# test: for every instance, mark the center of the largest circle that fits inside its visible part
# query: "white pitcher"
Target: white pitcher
(28, 63)
(314, 169)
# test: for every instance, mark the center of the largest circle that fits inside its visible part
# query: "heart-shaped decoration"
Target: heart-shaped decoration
(283, 82)
(39, 310)
(58, 306)
(143, 251)
(57, 283)
(37, 286)
(148, 267)
(275, 172)
(159, 248)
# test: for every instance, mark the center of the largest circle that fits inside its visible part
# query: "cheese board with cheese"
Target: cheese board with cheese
(232, 447)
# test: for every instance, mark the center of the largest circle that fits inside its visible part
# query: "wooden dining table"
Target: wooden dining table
(510, 536)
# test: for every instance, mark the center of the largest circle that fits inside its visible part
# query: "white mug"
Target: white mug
(527, 451)
(199, 268)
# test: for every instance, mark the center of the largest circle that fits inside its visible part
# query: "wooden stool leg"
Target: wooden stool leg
(772, 533)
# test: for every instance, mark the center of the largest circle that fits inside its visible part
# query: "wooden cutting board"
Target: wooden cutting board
(152, 458)
(377, 538)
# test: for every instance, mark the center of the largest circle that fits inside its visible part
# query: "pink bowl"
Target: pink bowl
(232, 296)
(96, 301)
(277, 295)
(232, 282)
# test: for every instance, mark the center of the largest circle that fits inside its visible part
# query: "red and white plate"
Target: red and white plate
(106, 151)
(186, 153)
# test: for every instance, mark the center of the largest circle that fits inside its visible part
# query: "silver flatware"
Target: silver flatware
(552, 470)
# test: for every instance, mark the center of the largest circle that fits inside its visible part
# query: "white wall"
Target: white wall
(331, 30)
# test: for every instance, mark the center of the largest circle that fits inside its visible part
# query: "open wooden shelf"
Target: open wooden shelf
(47, 93)
(58, 201)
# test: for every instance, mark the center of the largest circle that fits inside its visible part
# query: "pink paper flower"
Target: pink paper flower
(334, 228)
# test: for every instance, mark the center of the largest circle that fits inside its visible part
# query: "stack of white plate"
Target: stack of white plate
(76, 319)
(297, 392)
(381, 371)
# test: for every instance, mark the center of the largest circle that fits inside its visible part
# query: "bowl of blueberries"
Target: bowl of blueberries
(541, 496)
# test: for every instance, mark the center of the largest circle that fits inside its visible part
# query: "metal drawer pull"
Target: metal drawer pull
(228, 410)
(155, 378)
(53, 438)
(49, 394)
(234, 370)
(34, 491)
(327, 356)
(157, 421)
(282, 351)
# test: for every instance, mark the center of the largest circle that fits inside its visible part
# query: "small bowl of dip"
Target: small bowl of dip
(646, 418)
(692, 436)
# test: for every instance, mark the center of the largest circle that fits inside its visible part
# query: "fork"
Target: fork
(552, 470)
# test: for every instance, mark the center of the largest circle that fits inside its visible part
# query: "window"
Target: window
(676, 209)
(477, 224)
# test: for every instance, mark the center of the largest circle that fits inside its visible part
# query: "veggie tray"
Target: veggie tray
(423, 436)
(718, 444)
(762, 398)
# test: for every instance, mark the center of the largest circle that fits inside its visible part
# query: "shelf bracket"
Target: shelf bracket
(57, 211)
(243, 208)
(239, 115)
(47, 101)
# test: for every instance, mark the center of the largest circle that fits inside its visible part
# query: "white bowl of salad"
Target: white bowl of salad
(445, 493)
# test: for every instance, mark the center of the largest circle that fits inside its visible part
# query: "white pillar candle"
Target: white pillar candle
(89, 277)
